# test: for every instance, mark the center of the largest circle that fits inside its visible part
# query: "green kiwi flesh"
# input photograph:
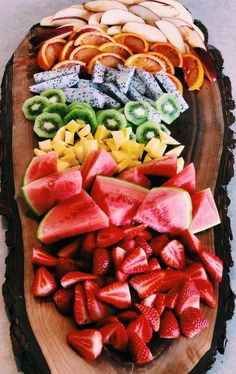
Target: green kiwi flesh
(54, 96)
(112, 119)
(147, 131)
(83, 115)
(34, 106)
(58, 108)
(169, 108)
(138, 112)
(47, 124)
(79, 105)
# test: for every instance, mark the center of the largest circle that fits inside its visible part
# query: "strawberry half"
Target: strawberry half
(88, 245)
(101, 261)
(105, 321)
(118, 254)
(158, 243)
(133, 231)
(64, 266)
(159, 303)
(88, 343)
(196, 272)
(117, 294)
(96, 309)
(115, 335)
(189, 296)
(127, 315)
(151, 314)
(44, 283)
(172, 296)
(173, 254)
(81, 314)
(153, 264)
(169, 327)
(43, 258)
(213, 265)
(70, 249)
(109, 236)
(149, 301)
(146, 284)
(135, 261)
(172, 278)
(142, 327)
(190, 241)
(142, 243)
(128, 244)
(75, 277)
(192, 321)
(139, 350)
(63, 300)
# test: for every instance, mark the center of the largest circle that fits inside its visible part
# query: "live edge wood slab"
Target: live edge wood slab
(37, 330)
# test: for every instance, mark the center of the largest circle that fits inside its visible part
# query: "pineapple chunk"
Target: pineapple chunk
(126, 131)
(102, 145)
(131, 147)
(69, 137)
(147, 158)
(90, 136)
(180, 164)
(119, 156)
(175, 151)
(69, 152)
(111, 144)
(134, 163)
(141, 150)
(84, 131)
(46, 145)
(71, 159)
(167, 139)
(73, 126)
(151, 146)
(89, 145)
(123, 165)
(59, 147)
(159, 151)
(62, 165)
(37, 152)
(101, 133)
(79, 152)
(118, 137)
(60, 135)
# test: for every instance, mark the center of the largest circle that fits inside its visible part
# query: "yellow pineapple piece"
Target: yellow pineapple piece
(59, 148)
(152, 146)
(60, 135)
(84, 131)
(123, 165)
(111, 144)
(79, 152)
(159, 151)
(90, 136)
(141, 150)
(167, 139)
(147, 158)
(119, 138)
(119, 156)
(69, 137)
(37, 152)
(175, 151)
(131, 147)
(71, 159)
(89, 145)
(134, 163)
(73, 126)
(62, 165)
(101, 133)
(102, 145)
(180, 164)
(126, 131)
(45, 145)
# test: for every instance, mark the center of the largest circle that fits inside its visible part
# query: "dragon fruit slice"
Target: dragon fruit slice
(57, 73)
(57, 83)
(153, 90)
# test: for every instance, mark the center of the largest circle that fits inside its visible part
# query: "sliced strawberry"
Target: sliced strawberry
(151, 314)
(159, 303)
(117, 294)
(173, 254)
(145, 234)
(101, 261)
(118, 254)
(127, 315)
(134, 262)
(196, 272)
(172, 278)
(105, 321)
(81, 314)
(75, 277)
(189, 296)
(139, 350)
(70, 249)
(206, 291)
(192, 321)
(190, 241)
(169, 327)
(107, 330)
(213, 265)
(88, 245)
(128, 244)
(158, 243)
(64, 300)
(44, 283)
(119, 337)
(43, 258)
(96, 309)
(88, 343)
(146, 284)
(64, 266)
(172, 296)
(142, 243)
(133, 231)
(149, 301)
(153, 264)
(142, 327)
(109, 236)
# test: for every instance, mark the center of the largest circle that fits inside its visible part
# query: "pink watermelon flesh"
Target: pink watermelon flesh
(40, 167)
(119, 199)
(133, 175)
(165, 166)
(43, 194)
(77, 215)
(166, 210)
(97, 162)
(205, 213)
(185, 179)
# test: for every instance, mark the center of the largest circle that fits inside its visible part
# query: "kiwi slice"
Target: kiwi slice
(147, 131)
(79, 105)
(47, 124)
(54, 96)
(34, 106)
(138, 112)
(82, 115)
(169, 107)
(58, 108)
(112, 119)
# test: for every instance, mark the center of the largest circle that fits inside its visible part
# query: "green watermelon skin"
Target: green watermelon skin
(77, 215)
(185, 179)
(205, 213)
(43, 194)
(166, 210)
(119, 199)
(40, 166)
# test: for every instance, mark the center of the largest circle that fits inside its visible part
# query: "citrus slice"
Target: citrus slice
(110, 60)
(93, 38)
(176, 82)
(166, 61)
(147, 62)
(67, 63)
(66, 51)
(83, 29)
(135, 43)
(170, 51)
(49, 52)
(193, 71)
(84, 53)
(117, 48)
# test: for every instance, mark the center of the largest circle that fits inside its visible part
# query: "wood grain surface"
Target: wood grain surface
(38, 331)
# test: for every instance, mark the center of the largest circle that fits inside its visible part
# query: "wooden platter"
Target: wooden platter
(37, 330)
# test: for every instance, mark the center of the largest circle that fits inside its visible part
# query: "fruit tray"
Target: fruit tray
(37, 330)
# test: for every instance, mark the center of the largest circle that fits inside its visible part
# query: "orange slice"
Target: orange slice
(147, 62)
(93, 38)
(81, 30)
(49, 52)
(117, 48)
(84, 53)
(67, 63)
(135, 43)
(176, 82)
(166, 61)
(193, 71)
(170, 51)
(111, 60)
(66, 51)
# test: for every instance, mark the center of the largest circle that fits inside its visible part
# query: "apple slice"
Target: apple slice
(181, 22)
(161, 9)
(95, 18)
(104, 5)
(183, 13)
(208, 64)
(68, 22)
(148, 15)
(80, 6)
(172, 33)
(47, 21)
(119, 17)
(150, 33)
(114, 30)
(73, 13)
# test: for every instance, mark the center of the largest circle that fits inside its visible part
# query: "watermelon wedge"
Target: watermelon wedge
(166, 210)
(135, 176)
(185, 179)
(119, 199)
(77, 215)
(44, 193)
(205, 213)
(40, 167)
(165, 166)
(97, 162)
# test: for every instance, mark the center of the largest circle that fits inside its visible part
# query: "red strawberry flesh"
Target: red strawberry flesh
(192, 321)
(88, 343)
